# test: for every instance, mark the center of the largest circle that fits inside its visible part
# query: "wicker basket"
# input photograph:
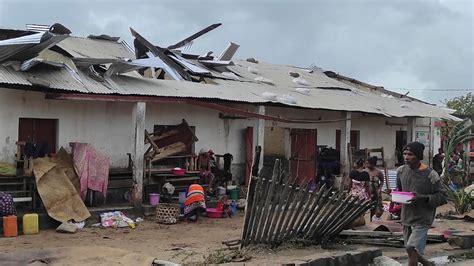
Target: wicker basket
(167, 213)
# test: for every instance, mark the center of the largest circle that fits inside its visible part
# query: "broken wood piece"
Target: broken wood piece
(463, 240)
(153, 144)
(169, 150)
(232, 242)
(155, 137)
(378, 242)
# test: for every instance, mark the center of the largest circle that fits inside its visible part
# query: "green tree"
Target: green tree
(464, 105)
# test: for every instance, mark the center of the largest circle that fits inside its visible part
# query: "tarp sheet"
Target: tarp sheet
(59, 196)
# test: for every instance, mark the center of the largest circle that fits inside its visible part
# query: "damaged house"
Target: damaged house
(58, 89)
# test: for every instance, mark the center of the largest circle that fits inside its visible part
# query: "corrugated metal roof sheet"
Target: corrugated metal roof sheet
(250, 92)
(94, 48)
(320, 91)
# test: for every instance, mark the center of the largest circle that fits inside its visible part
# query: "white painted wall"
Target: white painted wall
(374, 132)
(108, 125)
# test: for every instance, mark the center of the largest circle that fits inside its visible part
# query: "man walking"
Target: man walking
(418, 215)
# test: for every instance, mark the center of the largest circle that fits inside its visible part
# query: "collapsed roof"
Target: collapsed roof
(54, 61)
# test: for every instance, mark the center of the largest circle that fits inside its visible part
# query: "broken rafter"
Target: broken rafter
(194, 36)
(160, 52)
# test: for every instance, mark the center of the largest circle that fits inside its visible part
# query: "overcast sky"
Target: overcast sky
(422, 46)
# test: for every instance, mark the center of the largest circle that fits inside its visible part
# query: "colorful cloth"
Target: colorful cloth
(193, 208)
(92, 168)
(7, 206)
(359, 189)
(195, 200)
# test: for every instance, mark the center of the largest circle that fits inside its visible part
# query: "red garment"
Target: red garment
(395, 208)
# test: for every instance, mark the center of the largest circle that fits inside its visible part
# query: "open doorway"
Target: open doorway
(400, 142)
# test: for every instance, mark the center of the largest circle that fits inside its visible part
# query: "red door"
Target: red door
(303, 154)
(39, 131)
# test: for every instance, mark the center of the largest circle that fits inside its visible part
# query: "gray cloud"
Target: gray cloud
(416, 45)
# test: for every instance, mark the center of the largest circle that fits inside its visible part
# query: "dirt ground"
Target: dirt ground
(180, 243)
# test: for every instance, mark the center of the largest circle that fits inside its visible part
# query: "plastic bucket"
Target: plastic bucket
(213, 213)
(402, 196)
(221, 191)
(182, 197)
(234, 194)
(154, 199)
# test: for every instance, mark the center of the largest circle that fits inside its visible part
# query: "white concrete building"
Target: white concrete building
(75, 101)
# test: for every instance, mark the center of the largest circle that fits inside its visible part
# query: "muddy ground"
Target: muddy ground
(180, 243)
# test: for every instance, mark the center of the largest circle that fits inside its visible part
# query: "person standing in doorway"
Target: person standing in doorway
(438, 161)
(419, 214)
(375, 185)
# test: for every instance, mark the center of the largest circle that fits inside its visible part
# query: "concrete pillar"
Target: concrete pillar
(431, 142)
(345, 139)
(260, 133)
(138, 149)
(411, 129)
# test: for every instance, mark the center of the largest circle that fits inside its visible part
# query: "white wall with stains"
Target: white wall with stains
(108, 125)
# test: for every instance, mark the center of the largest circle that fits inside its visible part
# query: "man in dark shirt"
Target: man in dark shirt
(438, 161)
(418, 215)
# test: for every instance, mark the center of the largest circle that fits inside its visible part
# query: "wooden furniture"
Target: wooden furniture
(22, 188)
(157, 180)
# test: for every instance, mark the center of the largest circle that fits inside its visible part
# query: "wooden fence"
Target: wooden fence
(279, 211)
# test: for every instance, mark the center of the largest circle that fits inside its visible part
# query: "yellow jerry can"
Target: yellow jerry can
(30, 224)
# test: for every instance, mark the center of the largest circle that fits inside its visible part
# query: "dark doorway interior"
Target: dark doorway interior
(400, 142)
(355, 139)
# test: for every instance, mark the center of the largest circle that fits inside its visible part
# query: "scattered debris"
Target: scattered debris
(116, 219)
(301, 81)
(463, 240)
(304, 91)
(252, 60)
(169, 141)
(104, 37)
(157, 262)
(264, 80)
(385, 261)
(67, 228)
(293, 74)
(228, 52)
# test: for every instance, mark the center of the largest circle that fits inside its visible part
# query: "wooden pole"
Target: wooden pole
(346, 139)
(411, 129)
(260, 137)
(138, 149)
